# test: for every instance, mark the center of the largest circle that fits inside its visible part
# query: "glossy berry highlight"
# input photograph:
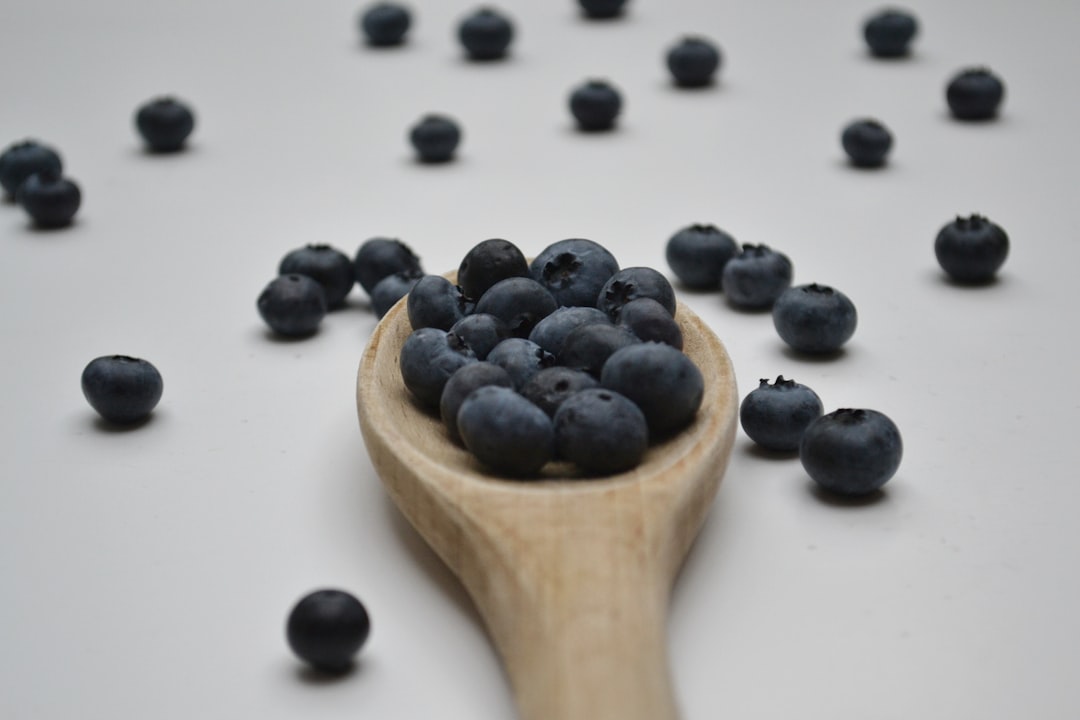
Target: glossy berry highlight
(975, 94)
(165, 124)
(851, 452)
(327, 628)
(972, 249)
(122, 389)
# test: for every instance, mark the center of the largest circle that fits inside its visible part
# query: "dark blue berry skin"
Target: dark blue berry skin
(390, 289)
(486, 34)
(602, 9)
(650, 321)
(775, 416)
(327, 628)
(595, 105)
(588, 347)
(123, 390)
(506, 432)
(693, 62)
(436, 302)
(165, 124)
(551, 332)
(461, 384)
(520, 358)
(384, 24)
(435, 138)
(520, 302)
(697, 255)
(429, 356)
(663, 382)
(23, 159)
(632, 283)
(548, 388)
(481, 332)
(851, 452)
(293, 305)
(487, 263)
(814, 319)
(49, 199)
(971, 250)
(867, 143)
(601, 432)
(330, 267)
(975, 94)
(889, 33)
(756, 277)
(378, 257)
(574, 270)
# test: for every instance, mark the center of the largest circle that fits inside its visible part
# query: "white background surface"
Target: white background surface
(148, 573)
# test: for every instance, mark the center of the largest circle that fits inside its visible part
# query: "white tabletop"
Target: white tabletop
(148, 573)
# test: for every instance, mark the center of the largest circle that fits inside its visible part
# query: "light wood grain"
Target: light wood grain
(571, 576)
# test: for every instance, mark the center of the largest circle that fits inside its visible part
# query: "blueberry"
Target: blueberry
(330, 267)
(601, 432)
(461, 384)
(551, 332)
(164, 124)
(588, 346)
(974, 94)
(435, 138)
(889, 33)
(663, 382)
(436, 302)
(485, 34)
(574, 270)
(595, 105)
(378, 257)
(697, 255)
(122, 389)
(602, 9)
(49, 199)
(481, 332)
(506, 432)
(520, 302)
(867, 143)
(851, 452)
(327, 628)
(520, 358)
(971, 250)
(693, 62)
(384, 24)
(632, 283)
(650, 321)
(756, 277)
(487, 263)
(392, 288)
(429, 356)
(292, 305)
(23, 159)
(548, 388)
(775, 416)
(814, 318)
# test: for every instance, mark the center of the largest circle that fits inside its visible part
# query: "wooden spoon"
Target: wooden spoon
(571, 576)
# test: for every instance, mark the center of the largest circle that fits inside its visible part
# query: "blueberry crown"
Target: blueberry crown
(780, 383)
(818, 289)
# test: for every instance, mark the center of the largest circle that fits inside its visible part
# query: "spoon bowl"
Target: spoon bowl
(570, 575)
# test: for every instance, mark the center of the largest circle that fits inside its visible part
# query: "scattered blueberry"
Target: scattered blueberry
(293, 305)
(487, 263)
(384, 24)
(697, 255)
(602, 9)
(327, 628)
(775, 416)
(429, 356)
(506, 432)
(595, 105)
(756, 277)
(23, 159)
(632, 283)
(122, 389)
(378, 257)
(574, 270)
(693, 62)
(461, 384)
(521, 359)
(814, 318)
(889, 33)
(851, 452)
(971, 250)
(435, 138)
(481, 332)
(165, 124)
(867, 143)
(50, 199)
(650, 321)
(663, 382)
(330, 267)
(486, 34)
(520, 302)
(601, 432)
(975, 94)
(435, 302)
(587, 347)
(392, 288)
(548, 388)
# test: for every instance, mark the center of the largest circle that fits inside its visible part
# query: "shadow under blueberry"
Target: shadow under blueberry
(763, 453)
(271, 336)
(822, 495)
(111, 428)
(824, 357)
(148, 152)
(313, 676)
